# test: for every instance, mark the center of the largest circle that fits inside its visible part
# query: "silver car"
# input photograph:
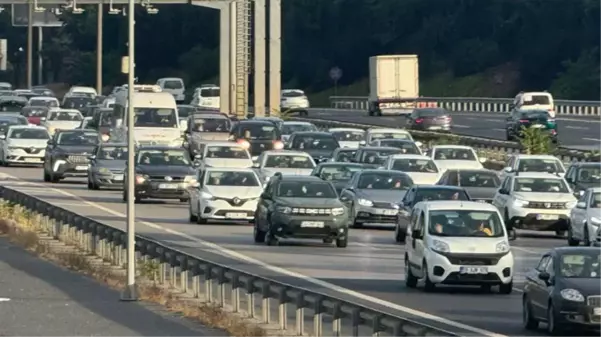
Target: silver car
(107, 166)
(373, 196)
(285, 162)
(585, 218)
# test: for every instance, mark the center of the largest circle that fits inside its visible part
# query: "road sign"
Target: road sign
(47, 18)
(335, 74)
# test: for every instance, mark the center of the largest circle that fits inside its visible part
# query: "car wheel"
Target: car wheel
(342, 242)
(124, 195)
(529, 322)
(586, 240)
(193, 217)
(90, 186)
(506, 289)
(399, 236)
(46, 177)
(571, 241)
(258, 234)
(428, 285)
(54, 179)
(410, 279)
(552, 327)
(271, 239)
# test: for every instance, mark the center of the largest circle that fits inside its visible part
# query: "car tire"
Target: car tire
(429, 286)
(586, 240)
(192, 218)
(342, 242)
(258, 234)
(46, 177)
(399, 236)
(90, 186)
(271, 240)
(200, 220)
(529, 322)
(552, 327)
(571, 241)
(506, 289)
(54, 179)
(410, 279)
(124, 195)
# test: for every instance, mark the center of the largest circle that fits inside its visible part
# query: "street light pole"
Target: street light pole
(130, 293)
(29, 44)
(99, 48)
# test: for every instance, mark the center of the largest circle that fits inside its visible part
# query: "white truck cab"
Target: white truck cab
(540, 100)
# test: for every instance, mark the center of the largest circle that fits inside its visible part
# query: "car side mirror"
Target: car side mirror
(511, 106)
(92, 157)
(196, 164)
(265, 196)
(256, 165)
(419, 144)
(482, 160)
(502, 191)
(344, 198)
(50, 143)
(544, 276)
(362, 143)
(197, 156)
(2, 136)
(581, 205)
(508, 169)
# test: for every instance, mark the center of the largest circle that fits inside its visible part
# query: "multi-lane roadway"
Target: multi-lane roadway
(579, 132)
(369, 271)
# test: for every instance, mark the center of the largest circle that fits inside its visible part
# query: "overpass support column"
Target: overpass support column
(232, 57)
(224, 58)
(275, 54)
(99, 38)
(260, 59)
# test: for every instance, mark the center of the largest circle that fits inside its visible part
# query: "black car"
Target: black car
(275, 120)
(258, 136)
(162, 172)
(581, 176)
(430, 119)
(423, 193)
(481, 185)
(67, 154)
(78, 102)
(12, 103)
(343, 154)
(42, 91)
(525, 119)
(407, 146)
(304, 207)
(374, 156)
(563, 291)
(101, 121)
(319, 145)
(338, 173)
(8, 121)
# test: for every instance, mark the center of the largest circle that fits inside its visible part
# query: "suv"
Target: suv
(535, 201)
(581, 176)
(303, 207)
(541, 163)
(526, 119)
(459, 243)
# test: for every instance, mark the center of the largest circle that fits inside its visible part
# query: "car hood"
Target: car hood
(37, 143)
(319, 154)
(117, 165)
(230, 192)
(218, 136)
(481, 192)
(471, 245)
(165, 170)
(75, 149)
(228, 162)
(310, 202)
(392, 196)
(351, 145)
(544, 197)
(458, 164)
(62, 125)
(421, 178)
(270, 172)
(586, 286)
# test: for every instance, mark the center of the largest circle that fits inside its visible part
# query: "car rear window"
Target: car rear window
(536, 99)
(173, 84)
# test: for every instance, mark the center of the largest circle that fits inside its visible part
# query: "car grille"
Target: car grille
(32, 150)
(594, 301)
(236, 202)
(78, 159)
(256, 148)
(312, 211)
(162, 178)
(473, 261)
(546, 205)
(383, 205)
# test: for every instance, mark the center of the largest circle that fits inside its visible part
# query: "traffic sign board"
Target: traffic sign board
(335, 73)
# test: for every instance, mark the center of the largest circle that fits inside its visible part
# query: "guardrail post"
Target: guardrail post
(283, 307)
(196, 280)
(250, 296)
(318, 317)
(265, 307)
(376, 326)
(356, 321)
(300, 313)
(221, 281)
(208, 283)
(235, 292)
(337, 319)
(397, 329)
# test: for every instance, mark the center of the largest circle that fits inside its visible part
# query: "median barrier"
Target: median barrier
(210, 281)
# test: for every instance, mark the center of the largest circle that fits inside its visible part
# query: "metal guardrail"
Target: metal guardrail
(191, 274)
(475, 104)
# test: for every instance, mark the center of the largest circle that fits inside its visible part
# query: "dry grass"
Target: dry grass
(24, 230)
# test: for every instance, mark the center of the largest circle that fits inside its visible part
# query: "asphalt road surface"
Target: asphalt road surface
(38, 298)
(368, 271)
(574, 132)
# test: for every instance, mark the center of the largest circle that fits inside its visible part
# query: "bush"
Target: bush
(536, 141)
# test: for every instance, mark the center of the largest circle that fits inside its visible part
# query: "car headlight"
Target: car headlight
(283, 209)
(571, 204)
(595, 221)
(337, 211)
(440, 247)
(572, 295)
(205, 195)
(581, 192)
(191, 180)
(365, 202)
(104, 170)
(502, 247)
(395, 206)
(520, 203)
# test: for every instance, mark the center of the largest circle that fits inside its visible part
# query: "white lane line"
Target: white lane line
(576, 127)
(529, 251)
(279, 270)
(490, 120)
(461, 126)
(500, 130)
(593, 139)
(4, 299)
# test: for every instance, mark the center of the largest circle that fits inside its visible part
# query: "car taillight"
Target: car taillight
(553, 131)
(140, 179)
(277, 145)
(244, 143)
(524, 121)
(419, 120)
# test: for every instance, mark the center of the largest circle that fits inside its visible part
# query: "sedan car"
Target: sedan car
(372, 196)
(290, 127)
(294, 100)
(225, 154)
(67, 154)
(563, 291)
(320, 145)
(107, 166)
(162, 173)
(585, 218)
(338, 173)
(374, 156)
(374, 134)
(421, 169)
(35, 114)
(581, 176)
(6, 121)
(278, 122)
(407, 146)
(62, 119)
(207, 127)
(343, 154)
(23, 144)
(257, 136)
(455, 157)
(284, 162)
(348, 137)
(520, 120)
(481, 185)
(430, 119)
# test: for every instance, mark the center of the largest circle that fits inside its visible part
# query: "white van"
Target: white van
(175, 86)
(156, 119)
(458, 243)
(535, 101)
(207, 97)
(88, 91)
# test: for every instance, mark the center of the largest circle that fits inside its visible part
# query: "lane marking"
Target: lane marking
(500, 130)
(279, 270)
(4, 299)
(529, 251)
(576, 127)
(461, 126)
(593, 139)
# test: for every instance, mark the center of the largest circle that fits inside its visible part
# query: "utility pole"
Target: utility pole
(29, 45)
(99, 29)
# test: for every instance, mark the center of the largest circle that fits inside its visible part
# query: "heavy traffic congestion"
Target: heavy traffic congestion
(296, 183)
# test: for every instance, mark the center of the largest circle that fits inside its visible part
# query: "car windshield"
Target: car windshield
(405, 147)
(454, 154)
(105, 118)
(34, 113)
(384, 181)
(173, 84)
(229, 152)
(314, 143)
(256, 131)
(43, 103)
(432, 194)
(585, 264)
(112, 153)
(534, 114)
(164, 158)
(288, 129)
(414, 165)
(345, 155)
(155, 117)
(589, 174)
(349, 136)
(377, 156)
(540, 185)
(389, 135)
(294, 93)
(595, 200)
(288, 161)
(207, 124)
(23, 133)
(77, 102)
(77, 138)
(478, 179)
(465, 223)
(536, 99)
(231, 178)
(338, 172)
(11, 106)
(306, 189)
(66, 116)
(185, 111)
(210, 92)
(540, 165)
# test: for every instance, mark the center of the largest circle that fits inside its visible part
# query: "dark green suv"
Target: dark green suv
(303, 207)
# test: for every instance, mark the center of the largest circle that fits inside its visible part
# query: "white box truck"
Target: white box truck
(393, 84)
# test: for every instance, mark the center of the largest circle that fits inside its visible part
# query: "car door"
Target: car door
(347, 195)
(195, 193)
(578, 216)
(538, 288)
(502, 195)
(418, 224)
(264, 205)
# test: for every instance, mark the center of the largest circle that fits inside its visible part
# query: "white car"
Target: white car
(533, 163)
(585, 218)
(85, 122)
(43, 101)
(534, 101)
(378, 133)
(24, 144)
(294, 100)
(421, 169)
(535, 201)
(291, 127)
(225, 154)
(173, 85)
(109, 102)
(348, 137)
(62, 119)
(458, 242)
(455, 157)
(207, 97)
(87, 91)
(285, 162)
(225, 194)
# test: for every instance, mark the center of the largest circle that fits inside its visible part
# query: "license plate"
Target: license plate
(547, 217)
(81, 168)
(390, 212)
(32, 160)
(597, 311)
(235, 215)
(435, 127)
(312, 224)
(473, 270)
(168, 186)
(118, 177)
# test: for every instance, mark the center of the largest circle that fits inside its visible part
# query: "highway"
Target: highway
(38, 298)
(574, 132)
(369, 271)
